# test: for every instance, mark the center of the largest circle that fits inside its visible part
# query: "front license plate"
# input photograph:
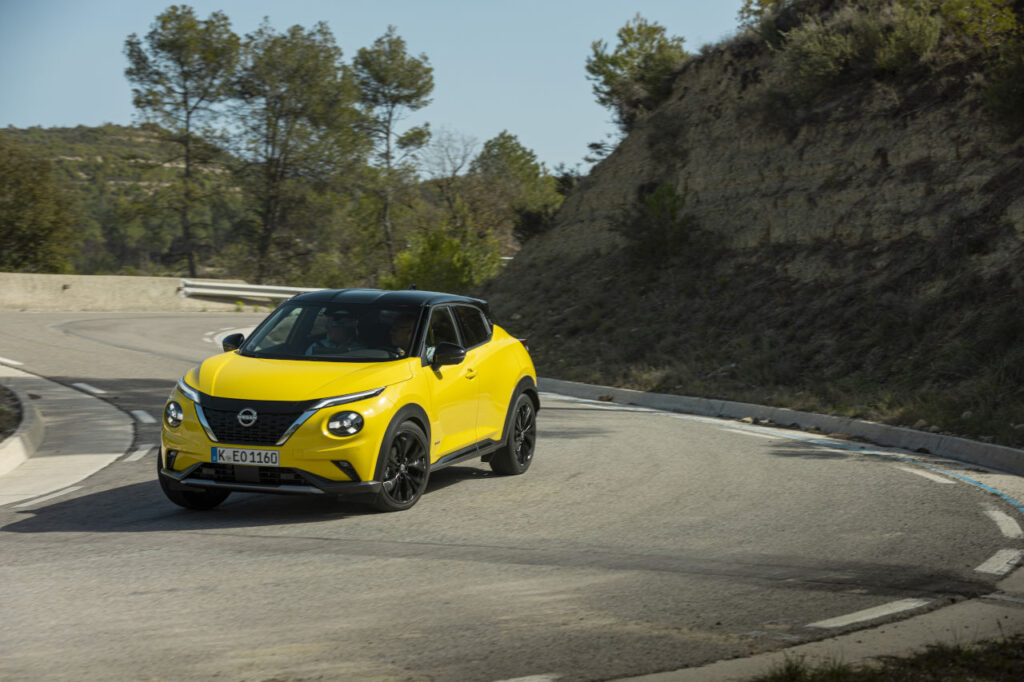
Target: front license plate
(264, 458)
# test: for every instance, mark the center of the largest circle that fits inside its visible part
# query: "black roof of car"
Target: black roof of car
(387, 297)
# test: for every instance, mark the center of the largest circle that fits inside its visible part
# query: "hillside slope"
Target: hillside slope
(859, 254)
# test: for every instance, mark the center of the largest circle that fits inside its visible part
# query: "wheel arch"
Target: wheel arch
(411, 412)
(529, 387)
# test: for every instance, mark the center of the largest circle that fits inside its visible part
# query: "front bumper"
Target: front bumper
(280, 480)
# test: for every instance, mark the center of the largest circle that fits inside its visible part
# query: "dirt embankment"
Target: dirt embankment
(863, 255)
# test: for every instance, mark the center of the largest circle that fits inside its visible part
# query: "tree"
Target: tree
(180, 73)
(37, 216)
(637, 76)
(445, 161)
(753, 11)
(514, 187)
(392, 84)
(296, 130)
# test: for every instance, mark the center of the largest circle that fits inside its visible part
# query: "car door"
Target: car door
(492, 382)
(452, 389)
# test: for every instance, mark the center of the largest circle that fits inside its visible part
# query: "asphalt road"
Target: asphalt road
(638, 542)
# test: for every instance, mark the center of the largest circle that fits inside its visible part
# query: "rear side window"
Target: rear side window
(475, 327)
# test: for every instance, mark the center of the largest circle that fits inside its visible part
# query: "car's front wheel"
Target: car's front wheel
(406, 468)
(515, 456)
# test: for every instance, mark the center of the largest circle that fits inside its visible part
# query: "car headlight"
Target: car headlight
(173, 414)
(345, 424)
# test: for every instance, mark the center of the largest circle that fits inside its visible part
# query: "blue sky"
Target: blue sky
(516, 66)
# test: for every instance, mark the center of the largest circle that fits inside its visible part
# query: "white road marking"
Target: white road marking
(144, 417)
(549, 677)
(89, 389)
(47, 498)
(140, 453)
(1002, 562)
(927, 474)
(1007, 524)
(754, 433)
(8, 361)
(871, 614)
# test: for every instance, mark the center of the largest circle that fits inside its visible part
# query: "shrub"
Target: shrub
(989, 22)
(858, 40)
(1004, 90)
(910, 33)
(815, 55)
(656, 228)
(441, 261)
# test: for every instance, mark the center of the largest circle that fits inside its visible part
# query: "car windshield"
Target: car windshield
(335, 332)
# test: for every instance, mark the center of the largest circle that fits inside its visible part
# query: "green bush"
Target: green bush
(989, 22)
(858, 40)
(910, 33)
(656, 228)
(1004, 90)
(441, 261)
(815, 55)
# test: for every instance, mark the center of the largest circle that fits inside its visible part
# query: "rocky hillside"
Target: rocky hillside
(857, 252)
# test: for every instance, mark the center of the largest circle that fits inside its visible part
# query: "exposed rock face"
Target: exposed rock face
(877, 163)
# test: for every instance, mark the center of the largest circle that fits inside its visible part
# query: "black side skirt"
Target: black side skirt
(483, 449)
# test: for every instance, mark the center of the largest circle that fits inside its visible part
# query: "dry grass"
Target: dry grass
(997, 661)
(10, 412)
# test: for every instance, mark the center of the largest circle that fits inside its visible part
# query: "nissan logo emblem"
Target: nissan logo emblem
(247, 417)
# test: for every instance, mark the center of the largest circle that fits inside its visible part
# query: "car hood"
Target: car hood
(231, 375)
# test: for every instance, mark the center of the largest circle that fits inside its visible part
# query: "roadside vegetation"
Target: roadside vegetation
(274, 158)
(997, 661)
(10, 412)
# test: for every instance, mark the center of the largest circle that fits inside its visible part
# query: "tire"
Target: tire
(200, 500)
(405, 469)
(515, 456)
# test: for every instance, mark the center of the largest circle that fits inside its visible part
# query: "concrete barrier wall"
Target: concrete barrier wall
(31, 292)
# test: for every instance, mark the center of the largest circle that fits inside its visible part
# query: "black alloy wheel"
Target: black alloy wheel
(516, 455)
(406, 468)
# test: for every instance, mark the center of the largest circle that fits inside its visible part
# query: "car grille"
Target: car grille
(231, 473)
(267, 430)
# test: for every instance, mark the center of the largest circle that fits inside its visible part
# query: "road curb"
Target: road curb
(51, 457)
(1002, 458)
(25, 440)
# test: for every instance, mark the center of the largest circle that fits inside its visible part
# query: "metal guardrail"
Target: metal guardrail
(239, 290)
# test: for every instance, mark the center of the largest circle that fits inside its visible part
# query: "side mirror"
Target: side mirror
(232, 342)
(448, 354)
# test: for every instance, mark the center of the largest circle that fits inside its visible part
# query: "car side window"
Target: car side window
(441, 330)
(475, 328)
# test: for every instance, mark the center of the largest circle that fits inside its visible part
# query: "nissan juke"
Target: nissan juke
(358, 393)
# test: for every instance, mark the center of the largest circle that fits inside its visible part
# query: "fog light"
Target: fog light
(348, 469)
(169, 458)
(345, 424)
(173, 414)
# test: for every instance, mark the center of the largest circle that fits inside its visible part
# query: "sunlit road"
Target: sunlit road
(637, 542)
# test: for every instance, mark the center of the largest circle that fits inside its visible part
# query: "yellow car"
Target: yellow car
(357, 392)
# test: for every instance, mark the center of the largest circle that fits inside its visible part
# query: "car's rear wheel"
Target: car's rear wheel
(192, 499)
(515, 456)
(406, 468)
